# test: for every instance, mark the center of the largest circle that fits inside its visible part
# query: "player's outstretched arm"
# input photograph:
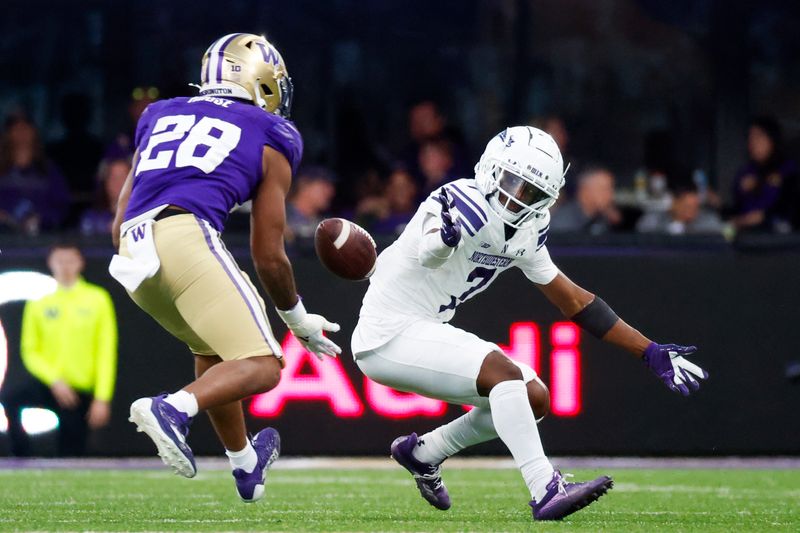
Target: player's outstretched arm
(267, 225)
(268, 222)
(440, 235)
(595, 316)
(122, 202)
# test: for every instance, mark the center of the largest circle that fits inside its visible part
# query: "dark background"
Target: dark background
(614, 69)
(745, 324)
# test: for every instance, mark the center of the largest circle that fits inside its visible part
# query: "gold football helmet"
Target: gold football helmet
(243, 65)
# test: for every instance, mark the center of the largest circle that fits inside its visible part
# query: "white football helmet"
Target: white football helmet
(520, 173)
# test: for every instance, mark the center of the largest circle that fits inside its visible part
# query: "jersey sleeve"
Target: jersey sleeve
(283, 136)
(467, 208)
(431, 204)
(540, 269)
(145, 123)
(466, 198)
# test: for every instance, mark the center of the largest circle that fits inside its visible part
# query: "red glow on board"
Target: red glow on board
(396, 405)
(307, 378)
(523, 344)
(328, 382)
(565, 369)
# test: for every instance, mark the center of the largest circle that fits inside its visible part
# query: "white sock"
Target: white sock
(183, 401)
(447, 440)
(515, 424)
(246, 458)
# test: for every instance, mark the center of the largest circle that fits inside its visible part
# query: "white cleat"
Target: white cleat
(167, 427)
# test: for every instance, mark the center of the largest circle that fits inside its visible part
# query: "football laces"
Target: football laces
(364, 232)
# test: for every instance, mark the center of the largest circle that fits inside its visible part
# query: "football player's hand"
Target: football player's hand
(309, 328)
(451, 226)
(309, 333)
(668, 363)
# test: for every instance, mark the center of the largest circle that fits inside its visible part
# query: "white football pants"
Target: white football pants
(435, 360)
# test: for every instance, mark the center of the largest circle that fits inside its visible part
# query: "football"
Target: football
(345, 248)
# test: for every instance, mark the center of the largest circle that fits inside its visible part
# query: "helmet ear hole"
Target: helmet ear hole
(266, 89)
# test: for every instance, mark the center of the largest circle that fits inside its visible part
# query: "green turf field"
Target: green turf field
(387, 500)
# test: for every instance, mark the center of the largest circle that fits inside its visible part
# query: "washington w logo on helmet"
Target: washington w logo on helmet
(270, 54)
(247, 66)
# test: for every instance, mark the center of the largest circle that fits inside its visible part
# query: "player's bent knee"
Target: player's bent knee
(268, 375)
(503, 367)
(496, 368)
(273, 374)
(539, 397)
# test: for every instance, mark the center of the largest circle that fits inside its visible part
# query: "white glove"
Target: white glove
(308, 329)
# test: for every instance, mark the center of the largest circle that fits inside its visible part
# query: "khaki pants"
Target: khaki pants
(201, 296)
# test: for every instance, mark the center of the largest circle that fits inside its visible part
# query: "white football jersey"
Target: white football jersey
(402, 291)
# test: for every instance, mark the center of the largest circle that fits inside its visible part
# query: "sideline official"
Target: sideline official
(69, 348)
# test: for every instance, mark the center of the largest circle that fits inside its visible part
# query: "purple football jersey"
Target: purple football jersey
(204, 154)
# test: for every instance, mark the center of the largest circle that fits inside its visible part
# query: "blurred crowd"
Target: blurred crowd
(71, 184)
(669, 197)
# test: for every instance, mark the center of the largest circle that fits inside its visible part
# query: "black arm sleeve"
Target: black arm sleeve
(596, 318)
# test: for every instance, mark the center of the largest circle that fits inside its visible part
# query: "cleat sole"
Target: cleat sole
(169, 453)
(592, 497)
(258, 493)
(606, 485)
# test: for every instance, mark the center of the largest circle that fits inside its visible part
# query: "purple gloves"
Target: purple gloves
(451, 229)
(678, 374)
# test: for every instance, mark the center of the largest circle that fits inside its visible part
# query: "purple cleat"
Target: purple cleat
(168, 428)
(250, 485)
(564, 498)
(428, 476)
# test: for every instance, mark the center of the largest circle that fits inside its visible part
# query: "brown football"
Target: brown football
(345, 248)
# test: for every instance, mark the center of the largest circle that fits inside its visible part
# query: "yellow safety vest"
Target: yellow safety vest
(71, 335)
